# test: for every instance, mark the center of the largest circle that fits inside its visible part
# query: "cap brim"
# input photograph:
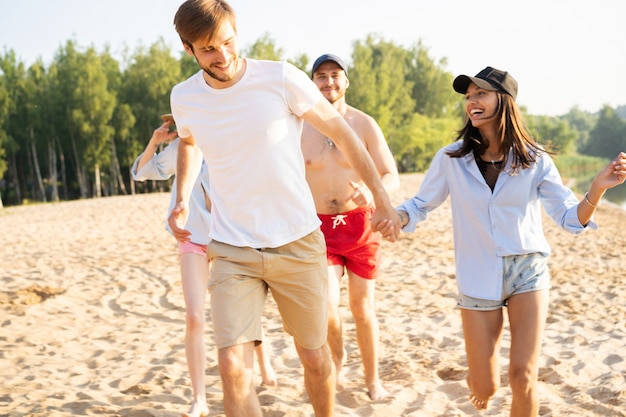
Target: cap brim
(461, 83)
(328, 58)
(167, 117)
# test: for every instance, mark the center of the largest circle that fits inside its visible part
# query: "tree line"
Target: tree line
(72, 129)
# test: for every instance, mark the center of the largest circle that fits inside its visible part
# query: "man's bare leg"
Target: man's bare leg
(335, 326)
(363, 307)
(319, 379)
(236, 368)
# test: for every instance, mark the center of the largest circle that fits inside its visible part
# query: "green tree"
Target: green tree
(4, 137)
(14, 78)
(553, 132)
(432, 85)
(301, 61)
(420, 140)
(188, 65)
(378, 86)
(4, 113)
(582, 122)
(32, 108)
(146, 88)
(120, 126)
(82, 91)
(64, 71)
(608, 137)
(409, 95)
(59, 130)
(128, 148)
(92, 116)
(264, 48)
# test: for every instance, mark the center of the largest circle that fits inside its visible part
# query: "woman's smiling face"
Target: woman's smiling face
(481, 105)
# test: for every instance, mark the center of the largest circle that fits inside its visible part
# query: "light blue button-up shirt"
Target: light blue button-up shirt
(162, 166)
(490, 225)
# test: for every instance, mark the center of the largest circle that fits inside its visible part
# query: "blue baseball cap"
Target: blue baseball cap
(329, 57)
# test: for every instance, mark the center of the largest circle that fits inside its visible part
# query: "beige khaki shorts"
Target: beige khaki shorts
(297, 275)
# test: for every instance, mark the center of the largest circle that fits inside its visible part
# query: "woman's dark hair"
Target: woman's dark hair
(513, 136)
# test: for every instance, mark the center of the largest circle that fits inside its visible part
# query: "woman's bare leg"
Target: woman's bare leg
(527, 316)
(265, 365)
(482, 331)
(194, 270)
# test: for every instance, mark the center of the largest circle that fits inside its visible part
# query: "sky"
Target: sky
(563, 53)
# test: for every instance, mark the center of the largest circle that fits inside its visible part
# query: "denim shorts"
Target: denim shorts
(520, 274)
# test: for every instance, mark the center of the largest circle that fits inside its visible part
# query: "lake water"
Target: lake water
(580, 181)
(617, 195)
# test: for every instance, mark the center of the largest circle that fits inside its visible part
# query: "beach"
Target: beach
(92, 320)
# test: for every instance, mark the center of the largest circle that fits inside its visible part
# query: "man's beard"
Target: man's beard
(222, 78)
(335, 98)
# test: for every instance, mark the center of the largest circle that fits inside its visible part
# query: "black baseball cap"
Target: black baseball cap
(489, 79)
(329, 57)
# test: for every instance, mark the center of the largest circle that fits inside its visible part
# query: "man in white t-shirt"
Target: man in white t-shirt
(245, 117)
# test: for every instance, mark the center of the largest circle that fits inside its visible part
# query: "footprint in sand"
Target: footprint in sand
(17, 301)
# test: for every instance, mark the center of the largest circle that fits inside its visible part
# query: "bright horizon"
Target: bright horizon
(562, 53)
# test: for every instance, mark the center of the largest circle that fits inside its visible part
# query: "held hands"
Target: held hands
(384, 220)
(177, 220)
(387, 221)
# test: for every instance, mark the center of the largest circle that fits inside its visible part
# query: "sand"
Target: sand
(92, 321)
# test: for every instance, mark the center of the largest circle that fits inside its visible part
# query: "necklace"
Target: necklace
(499, 162)
(331, 144)
(496, 164)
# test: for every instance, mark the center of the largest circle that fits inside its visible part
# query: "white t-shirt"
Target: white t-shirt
(249, 135)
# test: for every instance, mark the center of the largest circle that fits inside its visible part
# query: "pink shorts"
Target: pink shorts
(350, 241)
(190, 247)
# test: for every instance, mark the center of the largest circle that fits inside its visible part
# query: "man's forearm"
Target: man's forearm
(188, 164)
(390, 181)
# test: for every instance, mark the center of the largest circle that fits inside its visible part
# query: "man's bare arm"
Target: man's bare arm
(329, 122)
(379, 150)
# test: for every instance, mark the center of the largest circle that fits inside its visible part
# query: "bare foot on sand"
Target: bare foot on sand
(197, 410)
(269, 377)
(478, 403)
(376, 391)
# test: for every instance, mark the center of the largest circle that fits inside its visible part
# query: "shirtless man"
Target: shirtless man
(344, 204)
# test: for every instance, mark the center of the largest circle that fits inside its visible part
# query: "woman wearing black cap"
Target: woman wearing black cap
(498, 178)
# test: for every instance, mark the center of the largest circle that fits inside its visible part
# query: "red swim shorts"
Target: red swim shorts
(350, 241)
